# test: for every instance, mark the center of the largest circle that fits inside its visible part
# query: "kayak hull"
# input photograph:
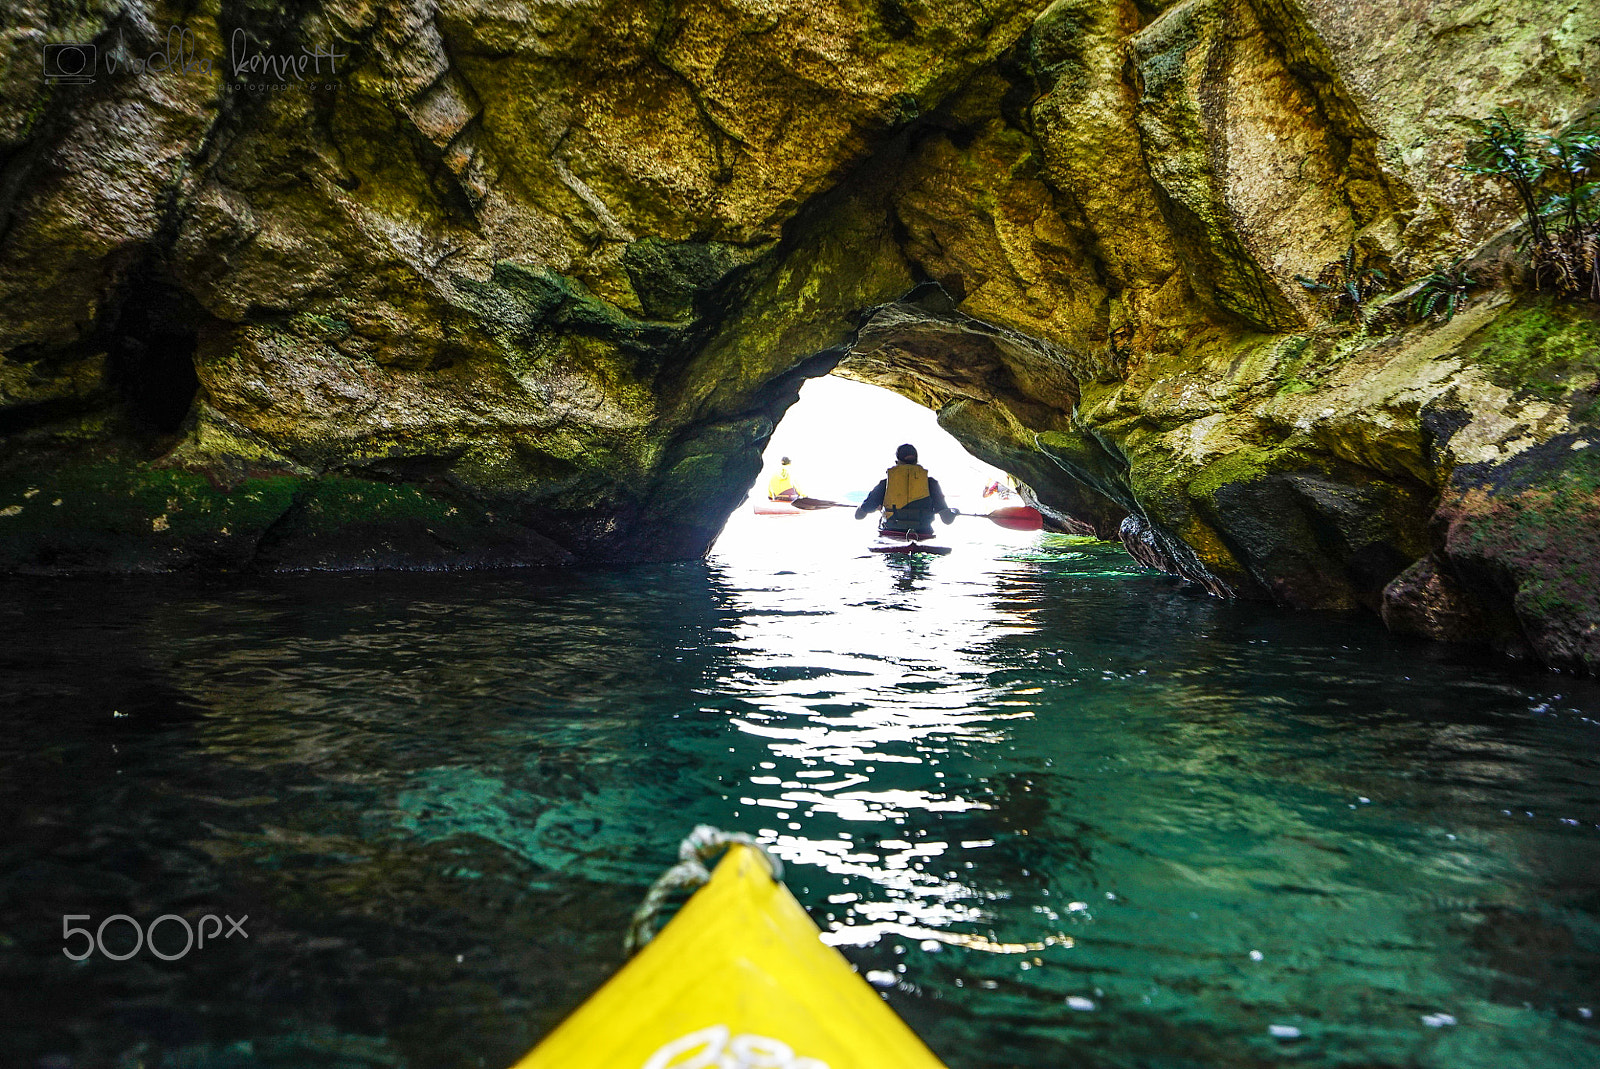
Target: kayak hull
(906, 543)
(777, 508)
(739, 977)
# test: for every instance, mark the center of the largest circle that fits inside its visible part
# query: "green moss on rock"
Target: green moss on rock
(1548, 347)
(1535, 536)
(105, 514)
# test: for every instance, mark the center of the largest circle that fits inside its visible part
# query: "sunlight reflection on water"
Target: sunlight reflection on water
(917, 692)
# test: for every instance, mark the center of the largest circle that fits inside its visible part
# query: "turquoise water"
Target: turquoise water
(1062, 812)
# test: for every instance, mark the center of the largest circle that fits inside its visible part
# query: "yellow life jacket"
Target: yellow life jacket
(907, 483)
(779, 483)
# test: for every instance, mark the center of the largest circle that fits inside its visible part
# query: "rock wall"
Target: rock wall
(506, 283)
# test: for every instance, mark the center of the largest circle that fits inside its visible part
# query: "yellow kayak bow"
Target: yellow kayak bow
(740, 979)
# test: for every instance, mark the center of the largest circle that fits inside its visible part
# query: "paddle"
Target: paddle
(1017, 517)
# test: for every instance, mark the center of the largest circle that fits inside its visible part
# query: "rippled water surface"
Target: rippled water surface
(1082, 818)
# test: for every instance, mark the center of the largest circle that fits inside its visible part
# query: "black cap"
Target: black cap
(906, 454)
(784, 461)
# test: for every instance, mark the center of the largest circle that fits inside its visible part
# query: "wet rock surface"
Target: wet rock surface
(508, 285)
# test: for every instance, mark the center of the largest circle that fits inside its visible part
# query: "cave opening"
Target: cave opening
(840, 438)
(150, 356)
(842, 434)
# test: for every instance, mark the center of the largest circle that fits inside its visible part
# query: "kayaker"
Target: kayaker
(908, 496)
(1005, 491)
(781, 486)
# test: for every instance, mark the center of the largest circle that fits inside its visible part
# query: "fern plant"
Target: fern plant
(1443, 292)
(1569, 257)
(1507, 151)
(1575, 157)
(1557, 181)
(1344, 287)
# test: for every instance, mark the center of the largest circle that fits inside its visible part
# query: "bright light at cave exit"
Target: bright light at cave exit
(840, 644)
(842, 435)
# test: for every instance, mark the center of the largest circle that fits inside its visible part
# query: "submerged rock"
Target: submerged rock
(461, 283)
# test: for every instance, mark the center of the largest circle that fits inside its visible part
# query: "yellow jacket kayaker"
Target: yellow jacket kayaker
(781, 487)
(908, 496)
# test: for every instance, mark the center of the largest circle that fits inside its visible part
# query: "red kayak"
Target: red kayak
(778, 508)
(906, 542)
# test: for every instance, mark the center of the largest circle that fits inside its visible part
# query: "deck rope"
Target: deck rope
(700, 846)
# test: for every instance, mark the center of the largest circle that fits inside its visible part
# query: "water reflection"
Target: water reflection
(1058, 810)
(868, 756)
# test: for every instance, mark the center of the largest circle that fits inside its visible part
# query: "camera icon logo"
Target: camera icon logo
(69, 63)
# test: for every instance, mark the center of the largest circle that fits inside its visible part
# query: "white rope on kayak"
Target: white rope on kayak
(701, 845)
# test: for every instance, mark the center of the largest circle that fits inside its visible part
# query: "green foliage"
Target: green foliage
(1569, 257)
(1555, 179)
(1576, 156)
(1506, 150)
(1344, 287)
(1443, 292)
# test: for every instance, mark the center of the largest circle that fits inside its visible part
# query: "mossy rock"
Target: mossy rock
(346, 524)
(1530, 533)
(107, 517)
(1550, 348)
(670, 277)
(108, 514)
